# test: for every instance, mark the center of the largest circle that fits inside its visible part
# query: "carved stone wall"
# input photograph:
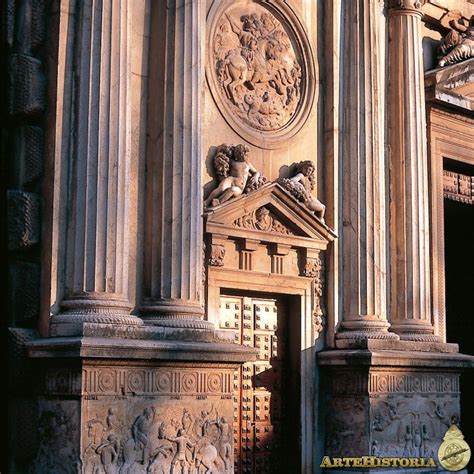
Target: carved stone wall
(389, 412)
(137, 418)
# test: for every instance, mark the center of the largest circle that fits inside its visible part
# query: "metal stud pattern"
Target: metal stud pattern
(257, 404)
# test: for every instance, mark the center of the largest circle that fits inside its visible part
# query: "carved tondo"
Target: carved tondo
(258, 70)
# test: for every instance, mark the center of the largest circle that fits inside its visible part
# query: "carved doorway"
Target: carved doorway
(266, 392)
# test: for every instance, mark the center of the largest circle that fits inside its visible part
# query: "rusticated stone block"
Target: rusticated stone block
(23, 220)
(9, 22)
(27, 86)
(29, 152)
(25, 289)
(37, 23)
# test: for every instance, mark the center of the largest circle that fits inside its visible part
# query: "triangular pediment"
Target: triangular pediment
(270, 210)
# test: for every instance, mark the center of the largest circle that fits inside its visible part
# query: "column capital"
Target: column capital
(406, 6)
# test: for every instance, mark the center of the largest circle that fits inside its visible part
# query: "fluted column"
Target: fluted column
(364, 301)
(410, 307)
(97, 230)
(173, 241)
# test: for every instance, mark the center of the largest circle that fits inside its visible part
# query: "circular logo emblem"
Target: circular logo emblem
(260, 70)
(454, 453)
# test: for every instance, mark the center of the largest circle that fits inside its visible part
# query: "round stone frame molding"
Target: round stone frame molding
(296, 31)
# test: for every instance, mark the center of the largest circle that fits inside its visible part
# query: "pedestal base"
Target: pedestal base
(128, 406)
(390, 401)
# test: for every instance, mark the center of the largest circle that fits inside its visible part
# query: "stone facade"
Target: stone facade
(226, 232)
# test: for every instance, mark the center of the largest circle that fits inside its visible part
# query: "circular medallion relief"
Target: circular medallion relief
(260, 70)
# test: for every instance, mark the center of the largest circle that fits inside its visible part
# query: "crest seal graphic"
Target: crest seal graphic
(454, 453)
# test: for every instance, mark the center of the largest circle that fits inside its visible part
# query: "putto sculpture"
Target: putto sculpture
(301, 186)
(235, 174)
(458, 44)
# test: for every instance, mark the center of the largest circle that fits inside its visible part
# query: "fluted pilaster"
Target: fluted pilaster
(363, 230)
(173, 243)
(97, 231)
(410, 306)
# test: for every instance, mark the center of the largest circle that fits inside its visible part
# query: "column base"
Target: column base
(416, 332)
(366, 329)
(390, 401)
(125, 406)
(89, 310)
(180, 314)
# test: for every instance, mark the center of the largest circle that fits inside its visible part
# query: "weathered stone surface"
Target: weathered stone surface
(24, 225)
(392, 404)
(151, 415)
(59, 424)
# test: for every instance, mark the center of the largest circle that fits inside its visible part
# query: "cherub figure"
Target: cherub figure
(234, 173)
(458, 44)
(301, 185)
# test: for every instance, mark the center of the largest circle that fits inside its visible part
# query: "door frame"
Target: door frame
(221, 279)
(449, 136)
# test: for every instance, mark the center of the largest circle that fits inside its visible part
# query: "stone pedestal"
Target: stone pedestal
(135, 407)
(391, 399)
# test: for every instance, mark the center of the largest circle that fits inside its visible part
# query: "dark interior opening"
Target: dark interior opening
(459, 273)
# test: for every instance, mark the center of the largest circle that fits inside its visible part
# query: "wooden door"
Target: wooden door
(259, 389)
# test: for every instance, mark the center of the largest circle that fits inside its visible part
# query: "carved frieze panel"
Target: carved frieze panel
(398, 413)
(390, 382)
(163, 436)
(411, 426)
(260, 69)
(159, 381)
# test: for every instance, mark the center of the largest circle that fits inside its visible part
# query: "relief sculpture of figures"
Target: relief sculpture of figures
(257, 69)
(301, 186)
(235, 174)
(160, 443)
(458, 44)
